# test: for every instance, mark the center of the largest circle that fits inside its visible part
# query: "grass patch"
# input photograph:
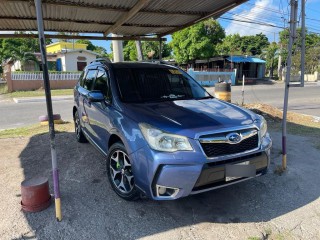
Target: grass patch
(39, 93)
(35, 129)
(297, 124)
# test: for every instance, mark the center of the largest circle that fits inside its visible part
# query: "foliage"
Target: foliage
(197, 41)
(245, 45)
(312, 55)
(270, 54)
(150, 50)
(90, 46)
(20, 48)
(230, 45)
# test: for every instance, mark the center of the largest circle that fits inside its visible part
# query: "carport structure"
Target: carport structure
(131, 19)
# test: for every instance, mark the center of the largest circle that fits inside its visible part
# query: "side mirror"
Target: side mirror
(95, 96)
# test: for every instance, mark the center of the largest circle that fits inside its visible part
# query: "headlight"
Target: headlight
(263, 127)
(162, 141)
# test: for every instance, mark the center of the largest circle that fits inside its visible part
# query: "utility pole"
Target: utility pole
(303, 43)
(292, 33)
(280, 52)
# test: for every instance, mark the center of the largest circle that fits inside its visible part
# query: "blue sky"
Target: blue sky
(272, 12)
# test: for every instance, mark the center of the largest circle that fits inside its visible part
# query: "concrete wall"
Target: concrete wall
(25, 85)
(71, 59)
(32, 84)
(307, 77)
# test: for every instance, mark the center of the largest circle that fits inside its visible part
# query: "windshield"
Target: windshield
(157, 84)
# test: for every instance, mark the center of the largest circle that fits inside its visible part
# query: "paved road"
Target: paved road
(302, 100)
(21, 114)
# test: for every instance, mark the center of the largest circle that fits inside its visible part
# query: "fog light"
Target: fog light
(161, 190)
(166, 192)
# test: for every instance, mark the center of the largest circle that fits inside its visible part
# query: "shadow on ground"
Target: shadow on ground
(91, 210)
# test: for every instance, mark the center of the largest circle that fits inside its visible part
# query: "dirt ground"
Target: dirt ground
(273, 206)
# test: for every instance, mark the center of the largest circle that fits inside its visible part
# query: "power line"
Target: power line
(258, 23)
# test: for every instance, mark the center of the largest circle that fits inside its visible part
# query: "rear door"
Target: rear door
(98, 113)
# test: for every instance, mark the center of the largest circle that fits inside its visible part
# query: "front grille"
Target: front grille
(220, 149)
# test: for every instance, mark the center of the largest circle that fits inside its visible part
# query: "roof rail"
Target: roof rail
(156, 61)
(101, 60)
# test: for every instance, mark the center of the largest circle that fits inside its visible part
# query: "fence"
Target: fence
(23, 81)
(25, 76)
(207, 78)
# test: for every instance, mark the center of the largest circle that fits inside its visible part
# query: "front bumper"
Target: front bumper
(186, 173)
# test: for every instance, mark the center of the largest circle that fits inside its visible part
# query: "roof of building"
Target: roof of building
(128, 18)
(239, 59)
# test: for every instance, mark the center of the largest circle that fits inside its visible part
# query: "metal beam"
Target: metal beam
(55, 171)
(218, 12)
(54, 36)
(107, 7)
(85, 22)
(136, 8)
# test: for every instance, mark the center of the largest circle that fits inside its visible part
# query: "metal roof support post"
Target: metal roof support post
(117, 49)
(293, 22)
(160, 49)
(55, 171)
(139, 50)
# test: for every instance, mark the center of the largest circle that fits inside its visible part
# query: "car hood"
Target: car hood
(190, 117)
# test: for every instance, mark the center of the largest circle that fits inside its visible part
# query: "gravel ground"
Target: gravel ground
(273, 206)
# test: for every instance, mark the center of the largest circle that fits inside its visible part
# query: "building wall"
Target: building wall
(71, 59)
(58, 46)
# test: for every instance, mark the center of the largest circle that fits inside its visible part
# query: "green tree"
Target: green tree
(90, 46)
(150, 50)
(270, 54)
(230, 45)
(197, 41)
(312, 50)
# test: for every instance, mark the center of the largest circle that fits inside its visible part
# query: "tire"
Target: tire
(78, 129)
(120, 174)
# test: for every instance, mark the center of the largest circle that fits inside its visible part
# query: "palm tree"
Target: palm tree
(23, 57)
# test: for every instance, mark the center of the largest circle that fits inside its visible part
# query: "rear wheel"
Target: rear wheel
(120, 173)
(78, 129)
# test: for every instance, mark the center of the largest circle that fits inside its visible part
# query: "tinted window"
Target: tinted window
(158, 84)
(102, 83)
(88, 82)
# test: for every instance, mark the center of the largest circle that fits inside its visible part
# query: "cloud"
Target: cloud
(254, 14)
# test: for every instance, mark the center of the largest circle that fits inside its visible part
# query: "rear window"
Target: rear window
(157, 84)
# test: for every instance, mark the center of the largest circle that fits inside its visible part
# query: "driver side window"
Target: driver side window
(102, 84)
(89, 79)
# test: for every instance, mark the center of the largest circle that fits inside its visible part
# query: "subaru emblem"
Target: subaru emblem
(234, 138)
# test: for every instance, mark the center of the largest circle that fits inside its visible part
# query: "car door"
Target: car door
(98, 113)
(86, 85)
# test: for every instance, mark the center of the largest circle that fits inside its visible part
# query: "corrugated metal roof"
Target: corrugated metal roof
(239, 59)
(159, 17)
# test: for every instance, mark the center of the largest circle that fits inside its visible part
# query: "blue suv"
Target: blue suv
(162, 134)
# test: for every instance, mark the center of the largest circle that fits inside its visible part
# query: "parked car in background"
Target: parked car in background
(162, 134)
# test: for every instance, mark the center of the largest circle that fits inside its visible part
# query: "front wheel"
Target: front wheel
(120, 174)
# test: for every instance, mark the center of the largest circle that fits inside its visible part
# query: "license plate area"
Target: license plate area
(239, 170)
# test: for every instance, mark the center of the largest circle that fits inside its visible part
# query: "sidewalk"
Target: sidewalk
(42, 99)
